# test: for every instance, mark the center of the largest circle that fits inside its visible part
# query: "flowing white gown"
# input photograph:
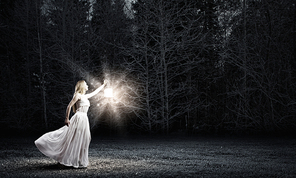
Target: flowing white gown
(69, 145)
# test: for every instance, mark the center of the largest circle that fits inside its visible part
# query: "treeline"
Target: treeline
(197, 66)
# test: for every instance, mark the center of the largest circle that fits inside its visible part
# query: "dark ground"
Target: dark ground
(159, 157)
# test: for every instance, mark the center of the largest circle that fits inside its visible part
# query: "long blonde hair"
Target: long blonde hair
(79, 88)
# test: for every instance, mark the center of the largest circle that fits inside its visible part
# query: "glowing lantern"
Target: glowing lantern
(108, 92)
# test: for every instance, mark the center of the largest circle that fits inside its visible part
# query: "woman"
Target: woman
(69, 144)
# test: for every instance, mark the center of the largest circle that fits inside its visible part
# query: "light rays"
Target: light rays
(117, 99)
(107, 106)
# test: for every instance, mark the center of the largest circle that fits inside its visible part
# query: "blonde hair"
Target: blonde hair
(79, 88)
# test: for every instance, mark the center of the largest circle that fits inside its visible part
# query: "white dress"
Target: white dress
(69, 145)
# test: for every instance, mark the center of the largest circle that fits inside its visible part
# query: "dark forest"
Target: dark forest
(178, 66)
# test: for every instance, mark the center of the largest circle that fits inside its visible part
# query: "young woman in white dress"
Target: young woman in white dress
(69, 144)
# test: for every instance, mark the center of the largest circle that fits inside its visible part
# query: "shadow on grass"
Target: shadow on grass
(56, 166)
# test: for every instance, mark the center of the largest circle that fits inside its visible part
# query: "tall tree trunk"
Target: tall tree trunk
(28, 100)
(165, 70)
(147, 87)
(42, 74)
(294, 39)
(245, 93)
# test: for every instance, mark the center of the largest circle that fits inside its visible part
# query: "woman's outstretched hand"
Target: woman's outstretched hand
(67, 122)
(105, 82)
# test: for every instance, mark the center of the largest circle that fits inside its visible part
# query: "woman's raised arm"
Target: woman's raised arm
(89, 95)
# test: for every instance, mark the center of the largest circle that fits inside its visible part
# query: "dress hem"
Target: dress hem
(68, 165)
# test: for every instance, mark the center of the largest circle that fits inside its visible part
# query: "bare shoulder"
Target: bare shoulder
(77, 96)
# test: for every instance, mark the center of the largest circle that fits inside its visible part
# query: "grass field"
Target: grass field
(159, 157)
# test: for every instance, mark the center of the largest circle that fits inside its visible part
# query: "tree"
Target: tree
(109, 31)
(255, 52)
(165, 40)
(20, 26)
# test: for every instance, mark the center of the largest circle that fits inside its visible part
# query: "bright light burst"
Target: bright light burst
(118, 98)
(108, 93)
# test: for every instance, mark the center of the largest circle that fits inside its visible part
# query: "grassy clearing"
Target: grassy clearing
(194, 157)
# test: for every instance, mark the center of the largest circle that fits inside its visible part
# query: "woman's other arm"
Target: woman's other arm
(75, 98)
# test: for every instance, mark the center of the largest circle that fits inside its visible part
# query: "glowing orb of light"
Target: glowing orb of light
(108, 92)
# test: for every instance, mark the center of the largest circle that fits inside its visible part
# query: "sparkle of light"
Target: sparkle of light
(108, 92)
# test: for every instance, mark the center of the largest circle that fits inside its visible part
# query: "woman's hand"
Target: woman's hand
(67, 122)
(105, 82)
